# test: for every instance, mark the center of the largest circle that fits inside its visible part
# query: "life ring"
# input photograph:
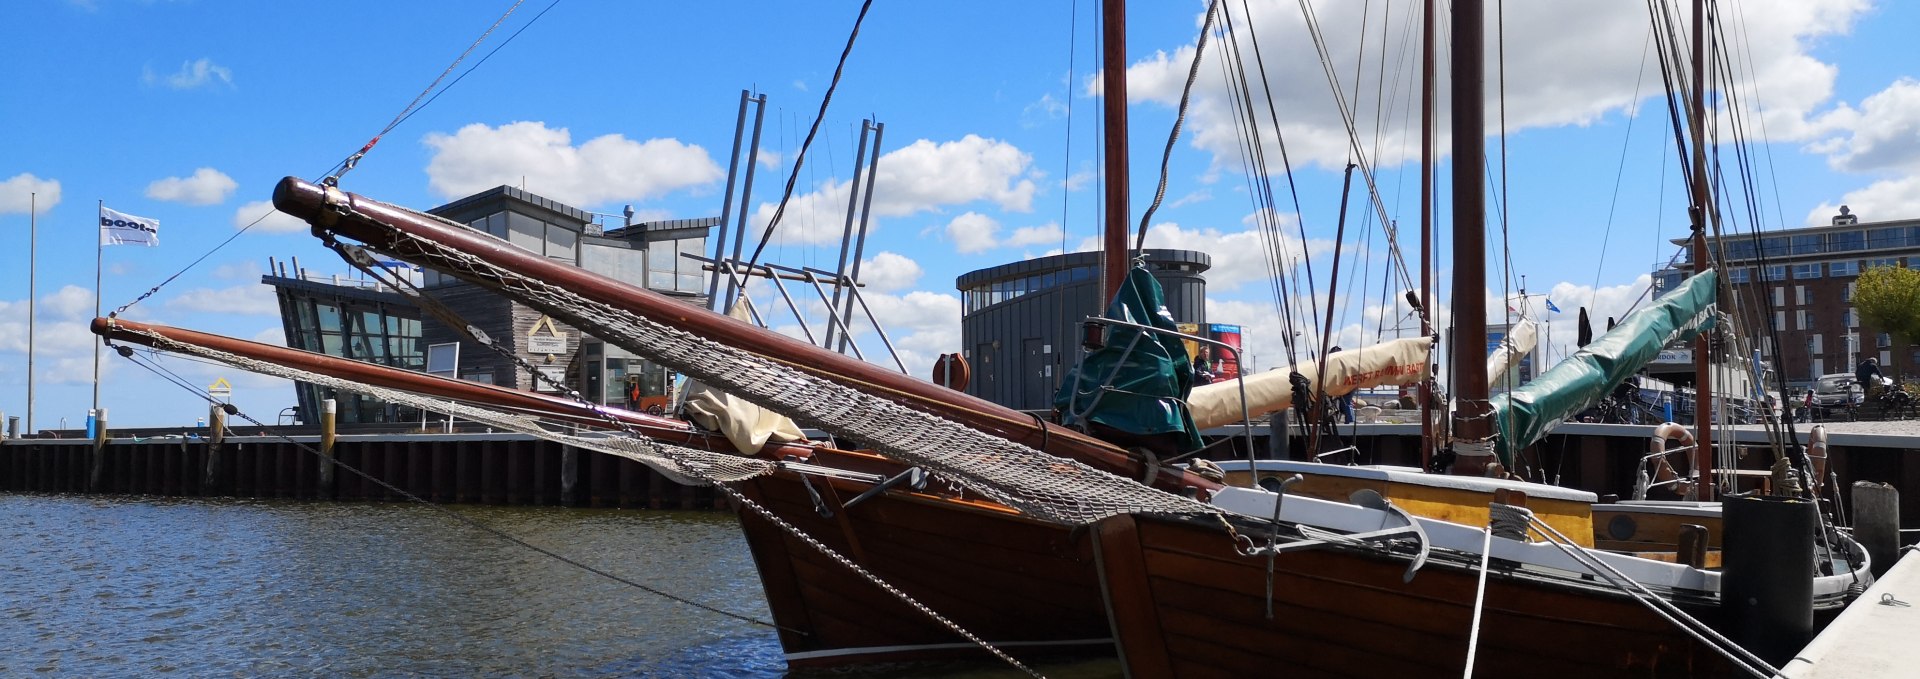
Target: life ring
(1657, 453)
(952, 371)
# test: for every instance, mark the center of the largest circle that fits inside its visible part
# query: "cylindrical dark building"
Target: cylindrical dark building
(1020, 322)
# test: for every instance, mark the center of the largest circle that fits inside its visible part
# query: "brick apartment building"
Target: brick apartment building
(1809, 275)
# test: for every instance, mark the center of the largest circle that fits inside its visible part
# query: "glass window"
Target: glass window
(560, 242)
(692, 277)
(660, 272)
(1847, 268)
(1809, 244)
(1846, 241)
(1883, 261)
(329, 317)
(1740, 249)
(1896, 237)
(1739, 274)
(1774, 247)
(526, 232)
(1777, 272)
(330, 344)
(1806, 271)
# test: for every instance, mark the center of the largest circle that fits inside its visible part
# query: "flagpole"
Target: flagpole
(98, 250)
(33, 275)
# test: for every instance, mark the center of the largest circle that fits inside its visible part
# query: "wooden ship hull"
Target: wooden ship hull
(1184, 603)
(1025, 586)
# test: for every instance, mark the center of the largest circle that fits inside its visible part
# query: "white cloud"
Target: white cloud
(192, 74)
(888, 272)
(922, 177)
(1882, 200)
(271, 220)
(23, 192)
(243, 270)
(1238, 257)
(1885, 132)
(1554, 76)
(1044, 234)
(207, 186)
(606, 168)
(973, 232)
(69, 302)
(245, 298)
(276, 336)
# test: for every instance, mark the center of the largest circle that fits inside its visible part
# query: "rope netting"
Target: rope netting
(1037, 484)
(687, 466)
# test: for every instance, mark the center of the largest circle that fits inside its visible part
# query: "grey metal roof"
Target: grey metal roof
(503, 193)
(1028, 267)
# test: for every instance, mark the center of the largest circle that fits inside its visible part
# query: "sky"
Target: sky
(188, 111)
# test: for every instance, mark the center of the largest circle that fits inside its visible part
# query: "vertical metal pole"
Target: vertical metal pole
(726, 202)
(866, 211)
(99, 249)
(746, 189)
(33, 282)
(1472, 410)
(1113, 270)
(1702, 377)
(846, 232)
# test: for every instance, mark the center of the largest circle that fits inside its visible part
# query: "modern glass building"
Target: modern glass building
(363, 320)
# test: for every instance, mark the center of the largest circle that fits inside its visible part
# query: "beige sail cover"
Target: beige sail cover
(746, 425)
(1515, 346)
(1401, 361)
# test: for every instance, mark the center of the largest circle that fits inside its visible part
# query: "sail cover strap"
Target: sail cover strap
(1037, 484)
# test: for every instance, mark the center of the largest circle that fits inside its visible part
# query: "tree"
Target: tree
(1889, 299)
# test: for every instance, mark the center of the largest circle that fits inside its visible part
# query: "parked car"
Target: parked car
(1836, 392)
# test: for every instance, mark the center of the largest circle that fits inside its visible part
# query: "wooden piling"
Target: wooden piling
(1876, 522)
(99, 460)
(328, 435)
(216, 437)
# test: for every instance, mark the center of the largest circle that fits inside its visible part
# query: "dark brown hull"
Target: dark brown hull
(1026, 586)
(1184, 604)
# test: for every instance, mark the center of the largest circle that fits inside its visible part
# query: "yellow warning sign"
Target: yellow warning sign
(220, 389)
(545, 322)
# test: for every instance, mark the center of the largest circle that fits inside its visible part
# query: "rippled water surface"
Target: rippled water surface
(94, 586)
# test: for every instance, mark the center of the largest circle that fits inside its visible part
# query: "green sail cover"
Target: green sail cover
(1147, 392)
(1526, 414)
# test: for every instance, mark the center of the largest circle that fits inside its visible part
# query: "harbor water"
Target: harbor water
(119, 586)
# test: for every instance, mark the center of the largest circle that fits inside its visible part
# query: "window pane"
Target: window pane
(1845, 241)
(560, 242)
(526, 232)
(329, 317)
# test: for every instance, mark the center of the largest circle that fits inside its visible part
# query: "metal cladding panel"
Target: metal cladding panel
(997, 339)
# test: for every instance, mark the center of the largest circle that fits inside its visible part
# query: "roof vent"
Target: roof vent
(1846, 217)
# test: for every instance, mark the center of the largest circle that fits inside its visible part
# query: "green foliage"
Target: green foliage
(1889, 299)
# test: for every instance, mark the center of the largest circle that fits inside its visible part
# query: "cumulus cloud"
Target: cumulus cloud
(246, 298)
(1239, 257)
(603, 169)
(271, 220)
(1897, 198)
(194, 74)
(922, 177)
(1554, 76)
(206, 186)
(888, 272)
(1044, 234)
(62, 327)
(23, 192)
(973, 232)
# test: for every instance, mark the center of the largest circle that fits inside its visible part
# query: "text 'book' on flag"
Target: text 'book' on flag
(119, 228)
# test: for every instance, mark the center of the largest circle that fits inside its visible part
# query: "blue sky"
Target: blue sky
(189, 111)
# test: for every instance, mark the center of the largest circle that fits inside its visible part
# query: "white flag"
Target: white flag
(118, 228)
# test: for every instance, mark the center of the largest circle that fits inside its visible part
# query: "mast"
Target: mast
(1425, 393)
(1702, 377)
(1113, 241)
(1472, 426)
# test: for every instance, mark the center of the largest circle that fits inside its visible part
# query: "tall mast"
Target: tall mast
(1472, 423)
(1114, 265)
(1426, 222)
(1702, 377)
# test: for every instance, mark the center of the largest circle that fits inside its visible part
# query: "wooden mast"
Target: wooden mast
(1114, 262)
(1425, 393)
(1472, 423)
(1702, 359)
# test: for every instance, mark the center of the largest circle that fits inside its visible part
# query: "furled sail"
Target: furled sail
(1401, 361)
(747, 426)
(1526, 414)
(1513, 348)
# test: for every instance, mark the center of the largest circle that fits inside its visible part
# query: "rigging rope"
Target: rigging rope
(800, 159)
(1186, 96)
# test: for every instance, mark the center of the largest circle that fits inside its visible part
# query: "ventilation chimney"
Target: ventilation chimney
(1846, 217)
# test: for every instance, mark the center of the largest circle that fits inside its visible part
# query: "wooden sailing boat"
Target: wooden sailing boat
(1191, 597)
